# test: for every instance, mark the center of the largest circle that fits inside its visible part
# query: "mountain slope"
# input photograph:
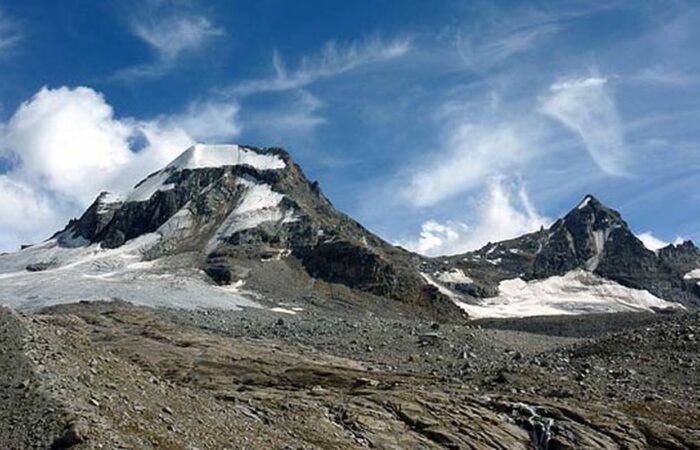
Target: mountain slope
(226, 209)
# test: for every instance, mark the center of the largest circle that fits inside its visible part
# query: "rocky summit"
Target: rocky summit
(225, 303)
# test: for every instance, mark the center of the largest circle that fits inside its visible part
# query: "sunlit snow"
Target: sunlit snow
(93, 273)
(577, 292)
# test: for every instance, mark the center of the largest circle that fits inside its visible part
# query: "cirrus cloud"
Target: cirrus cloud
(586, 107)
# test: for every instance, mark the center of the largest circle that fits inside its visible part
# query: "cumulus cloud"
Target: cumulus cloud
(585, 106)
(472, 153)
(171, 37)
(63, 146)
(502, 213)
(333, 59)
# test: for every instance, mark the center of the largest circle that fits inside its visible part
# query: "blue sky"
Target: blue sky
(439, 125)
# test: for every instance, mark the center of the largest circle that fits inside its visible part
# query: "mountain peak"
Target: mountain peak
(202, 156)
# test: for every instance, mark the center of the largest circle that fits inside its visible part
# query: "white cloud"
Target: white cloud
(211, 121)
(63, 134)
(500, 214)
(333, 59)
(653, 243)
(66, 145)
(22, 211)
(585, 106)
(170, 36)
(471, 154)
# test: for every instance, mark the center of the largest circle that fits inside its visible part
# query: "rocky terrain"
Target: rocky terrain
(111, 375)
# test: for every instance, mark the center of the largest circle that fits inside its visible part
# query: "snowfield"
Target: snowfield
(577, 292)
(93, 273)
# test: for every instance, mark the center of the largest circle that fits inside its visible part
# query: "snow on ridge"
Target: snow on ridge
(201, 156)
(149, 186)
(584, 203)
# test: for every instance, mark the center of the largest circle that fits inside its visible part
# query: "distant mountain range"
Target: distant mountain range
(229, 226)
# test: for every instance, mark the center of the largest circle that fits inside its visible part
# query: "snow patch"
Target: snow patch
(577, 292)
(455, 275)
(693, 275)
(260, 204)
(442, 289)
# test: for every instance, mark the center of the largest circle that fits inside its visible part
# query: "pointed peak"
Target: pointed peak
(592, 209)
(589, 200)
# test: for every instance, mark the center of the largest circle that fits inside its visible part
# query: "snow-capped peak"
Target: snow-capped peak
(201, 156)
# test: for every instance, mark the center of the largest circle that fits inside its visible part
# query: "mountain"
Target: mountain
(591, 250)
(234, 211)
(229, 226)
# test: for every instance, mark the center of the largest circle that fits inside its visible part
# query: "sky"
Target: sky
(440, 126)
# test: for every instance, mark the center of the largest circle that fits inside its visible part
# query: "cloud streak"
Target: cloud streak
(170, 37)
(333, 59)
(9, 34)
(584, 106)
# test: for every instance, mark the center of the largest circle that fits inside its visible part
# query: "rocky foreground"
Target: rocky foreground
(111, 375)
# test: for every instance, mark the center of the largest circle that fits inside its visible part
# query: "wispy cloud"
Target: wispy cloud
(586, 107)
(296, 117)
(170, 37)
(334, 59)
(481, 52)
(665, 75)
(503, 212)
(9, 34)
(472, 153)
